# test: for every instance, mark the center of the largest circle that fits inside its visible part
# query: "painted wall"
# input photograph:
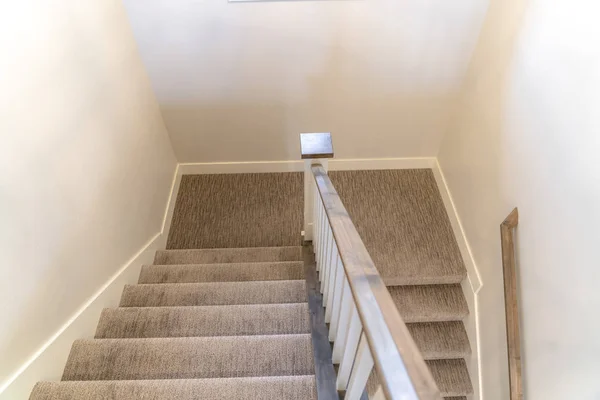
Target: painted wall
(527, 134)
(86, 165)
(240, 81)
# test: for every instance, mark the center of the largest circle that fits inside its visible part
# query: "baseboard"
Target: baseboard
(298, 166)
(48, 362)
(471, 286)
(381, 163)
(166, 226)
(241, 167)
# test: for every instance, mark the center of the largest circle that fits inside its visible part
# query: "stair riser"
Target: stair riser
(148, 322)
(221, 272)
(264, 388)
(190, 358)
(208, 294)
(218, 256)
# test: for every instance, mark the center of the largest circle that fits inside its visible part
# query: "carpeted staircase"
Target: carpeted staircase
(234, 323)
(201, 324)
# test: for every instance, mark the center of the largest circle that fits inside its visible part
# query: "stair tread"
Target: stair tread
(227, 320)
(451, 377)
(213, 293)
(235, 272)
(230, 255)
(190, 358)
(430, 303)
(401, 218)
(301, 387)
(439, 340)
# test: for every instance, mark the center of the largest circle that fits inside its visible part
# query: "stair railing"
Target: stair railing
(513, 336)
(365, 326)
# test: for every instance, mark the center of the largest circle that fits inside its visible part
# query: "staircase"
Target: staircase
(234, 323)
(201, 324)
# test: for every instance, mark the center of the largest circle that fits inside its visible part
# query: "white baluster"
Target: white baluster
(332, 275)
(321, 236)
(363, 364)
(325, 255)
(339, 327)
(316, 219)
(315, 194)
(350, 347)
(329, 253)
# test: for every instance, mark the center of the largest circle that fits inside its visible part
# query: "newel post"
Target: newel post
(316, 149)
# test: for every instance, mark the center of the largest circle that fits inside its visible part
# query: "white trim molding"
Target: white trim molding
(471, 287)
(298, 166)
(48, 362)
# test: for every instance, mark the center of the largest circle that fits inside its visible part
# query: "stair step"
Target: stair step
(271, 271)
(190, 358)
(160, 322)
(451, 377)
(433, 303)
(213, 293)
(438, 340)
(220, 256)
(262, 388)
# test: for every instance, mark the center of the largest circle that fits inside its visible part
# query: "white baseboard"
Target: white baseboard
(48, 363)
(298, 166)
(381, 163)
(241, 167)
(166, 226)
(470, 287)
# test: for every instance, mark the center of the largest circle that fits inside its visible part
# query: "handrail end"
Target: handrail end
(316, 145)
(512, 220)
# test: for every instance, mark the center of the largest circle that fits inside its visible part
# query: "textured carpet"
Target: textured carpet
(222, 272)
(217, 322)
(213, 293)
(200, 331)
(217, 256)
(190, 358)
(238, 210)
(399, 215)
(432, 303)
(451, 377)
(262, 388)
(401, 218)
(229, 320)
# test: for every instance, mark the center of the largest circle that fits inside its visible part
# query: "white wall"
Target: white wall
(527, 134)
(85, 163)
(240, 81)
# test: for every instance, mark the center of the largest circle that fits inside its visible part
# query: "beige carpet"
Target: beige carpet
(261, 388)
(401, 218)
(200, 330)
(230, 320)
(238, 210)
(399, 214)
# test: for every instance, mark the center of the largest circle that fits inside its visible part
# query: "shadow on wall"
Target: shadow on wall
(474, 148)
(368, 118)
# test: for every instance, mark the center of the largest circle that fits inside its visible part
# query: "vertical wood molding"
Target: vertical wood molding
(513, 336)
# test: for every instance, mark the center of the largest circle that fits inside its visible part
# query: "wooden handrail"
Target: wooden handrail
(399, 363)
(513, 336)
